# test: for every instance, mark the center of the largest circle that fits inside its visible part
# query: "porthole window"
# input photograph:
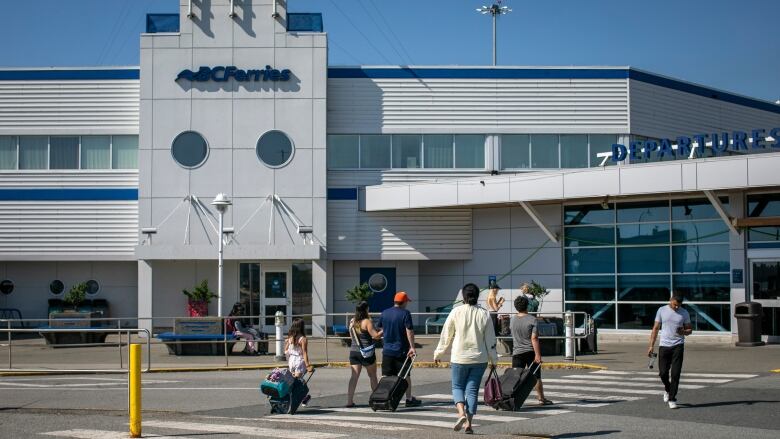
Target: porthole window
(189, 149)
(377, 282)
(274, 149)
(6, 287)
(56, 287)
(93, 287)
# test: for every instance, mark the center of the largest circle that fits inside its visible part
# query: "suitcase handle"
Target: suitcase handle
(538, 365)
(407, 370)
(311, 374)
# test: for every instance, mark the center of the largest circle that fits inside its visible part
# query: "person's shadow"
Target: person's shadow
(724, 403)
(585, 434)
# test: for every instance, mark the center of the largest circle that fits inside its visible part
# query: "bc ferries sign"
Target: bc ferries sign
(224, 73)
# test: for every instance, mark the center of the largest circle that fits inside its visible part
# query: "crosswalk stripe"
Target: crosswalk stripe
(594, 398)
(317, 422)
(524, 411)
(617, 383)
(655, 378)
(372, 419)
(428, 413)
(80, 433)
(443, 396)
(699, 375)
(237, 429)
(601, 390)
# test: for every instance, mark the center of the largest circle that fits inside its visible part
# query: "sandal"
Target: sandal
(459, 424)
(350, 406)
(545, 401)
(469, 430)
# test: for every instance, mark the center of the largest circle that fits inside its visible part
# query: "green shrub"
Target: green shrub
(76, 295)
(359, 293)
(201, 293)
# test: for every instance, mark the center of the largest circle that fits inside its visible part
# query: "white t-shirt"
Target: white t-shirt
(671, 321)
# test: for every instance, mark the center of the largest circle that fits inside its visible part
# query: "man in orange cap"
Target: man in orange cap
(398, 338)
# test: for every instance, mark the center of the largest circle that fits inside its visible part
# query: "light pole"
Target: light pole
(494, 10)
(221, 202)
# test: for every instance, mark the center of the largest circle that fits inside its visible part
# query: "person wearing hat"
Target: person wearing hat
(398, 340)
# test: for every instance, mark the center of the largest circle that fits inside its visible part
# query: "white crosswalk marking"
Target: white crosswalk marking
(618, 383)
(602, 390)
(584, 397)
(313, 421)
(371, 419)
(655, 379)
(429, 413)
(684, 375)
(79, 433)
(237, 429)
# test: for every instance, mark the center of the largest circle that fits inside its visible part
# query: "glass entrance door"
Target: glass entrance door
(765, 289)
(276, 296)
(249, 289)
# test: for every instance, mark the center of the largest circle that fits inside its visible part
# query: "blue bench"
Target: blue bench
(12, 314)
(438, 320)
(212, 344)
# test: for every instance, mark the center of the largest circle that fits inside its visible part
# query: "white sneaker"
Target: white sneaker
(666, 396)
(672, 404)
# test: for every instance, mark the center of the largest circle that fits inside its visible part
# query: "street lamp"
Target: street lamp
(221, 202)
(494, 10)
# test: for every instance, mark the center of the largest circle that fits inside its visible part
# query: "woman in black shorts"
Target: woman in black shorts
(361, 352)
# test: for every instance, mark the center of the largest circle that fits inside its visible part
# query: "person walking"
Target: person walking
(361, 352)
(469, 330)
(526, 350)
(398, 341)
(674, 323)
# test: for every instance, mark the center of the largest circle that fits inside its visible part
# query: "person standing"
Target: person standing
(494, 304)
(469, 330)
(526, 350)
(363, 334)
(674, 322)
(398, 341)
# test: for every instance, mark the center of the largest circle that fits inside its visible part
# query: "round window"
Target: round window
(56, 287)
(189, 149)
(377, 282)
(6, 287)
(274, 149)
(92, 287)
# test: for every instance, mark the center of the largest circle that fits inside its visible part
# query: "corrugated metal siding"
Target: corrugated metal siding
(69, 107)
(662, 112)
(477, 105)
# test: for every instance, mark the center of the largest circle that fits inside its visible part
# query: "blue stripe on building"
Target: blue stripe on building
(342, 193)
(69, 194)
(69, 74)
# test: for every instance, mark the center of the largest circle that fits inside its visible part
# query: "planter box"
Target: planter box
(73, 320)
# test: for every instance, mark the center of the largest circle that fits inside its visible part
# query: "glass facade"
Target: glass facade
(763, 205)
(68, 152)
(623, 261)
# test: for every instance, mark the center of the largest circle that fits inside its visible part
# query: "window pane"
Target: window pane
(586, 288)
(302, 292)
(695, 209)
(343, 151)
(701, 258)
(406, 151)
(703, 287)
(470, 151)
(589, 236)
(33, 152)
(601, 143)
(274, 149)
(709, 317)
(643, 212)
(700, 231)
(64, 152)
(375, 151)
(590, 260)
(544, 151)
(643, 233)
(764, 234)
(764, 205)
(574, 151)
(766, 280)
(125, 154)
(602, 313)
(643, 259)
(515, 151)
(438, 150)
(96, 152)
(249, 288)
(7, 152)
(275, 285)
(643, 288)
(590, 214)
(636, 315)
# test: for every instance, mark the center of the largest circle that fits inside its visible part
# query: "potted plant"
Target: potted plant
(537, 291)
(76, 295)
(198, 299)
(359, 293)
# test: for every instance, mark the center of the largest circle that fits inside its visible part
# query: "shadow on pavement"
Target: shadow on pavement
(725, 403)
(586, 434)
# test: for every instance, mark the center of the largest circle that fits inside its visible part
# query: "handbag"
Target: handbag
(365, 352)
(492, 395)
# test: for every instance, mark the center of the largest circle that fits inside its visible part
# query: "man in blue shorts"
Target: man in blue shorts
(398, 339)
(674, 322)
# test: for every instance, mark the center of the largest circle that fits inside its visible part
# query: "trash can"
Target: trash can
(748, 316)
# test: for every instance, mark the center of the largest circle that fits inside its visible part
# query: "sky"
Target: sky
(728, 44)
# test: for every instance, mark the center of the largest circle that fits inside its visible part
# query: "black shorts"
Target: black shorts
(525, 359)
(391, 366)
(355, 358)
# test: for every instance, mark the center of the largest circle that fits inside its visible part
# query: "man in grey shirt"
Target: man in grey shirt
(526, 349)
(674, 322)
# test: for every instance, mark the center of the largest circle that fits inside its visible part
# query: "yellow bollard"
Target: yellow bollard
(134, 387)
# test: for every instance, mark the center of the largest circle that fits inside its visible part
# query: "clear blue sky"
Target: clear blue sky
(728, 44)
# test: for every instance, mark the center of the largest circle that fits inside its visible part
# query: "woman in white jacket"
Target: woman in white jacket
(469, 331)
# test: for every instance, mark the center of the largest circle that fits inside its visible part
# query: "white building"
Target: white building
(423, 177)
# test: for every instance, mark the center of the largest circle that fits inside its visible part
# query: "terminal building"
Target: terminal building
(610, 186)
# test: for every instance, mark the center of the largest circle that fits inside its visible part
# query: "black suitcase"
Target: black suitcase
(516, 385)
(390, 390)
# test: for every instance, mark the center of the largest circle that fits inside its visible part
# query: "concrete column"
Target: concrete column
(321, 295)
(145, 287)
(737, 255)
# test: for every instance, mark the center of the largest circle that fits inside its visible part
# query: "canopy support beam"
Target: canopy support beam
(721, 211)
(535, 216)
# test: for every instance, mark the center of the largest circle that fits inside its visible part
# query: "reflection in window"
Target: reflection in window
(343, 151)
(469, 151)
(249, 288)
(643, 233)
(302, 291)
(696, 209)
(643, 212)
(375, 152)
(637, 315)
(583, 288)
(643, 259)
(515, 151)
(601, 143)
(649, 288)
(274, 149)
(590, 260)
(701, 258)
(589, 214)
(703, 287)
(407, 151)
(588, 236)
(438, 150)
(602, 313)
(700, 231)
(709, 317)
(544, 151)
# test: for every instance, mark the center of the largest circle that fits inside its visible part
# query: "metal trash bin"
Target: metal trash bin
(748, 316)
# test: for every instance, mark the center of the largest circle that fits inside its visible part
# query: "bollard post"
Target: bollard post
(134, 388)
(568, 323)
(279, 321)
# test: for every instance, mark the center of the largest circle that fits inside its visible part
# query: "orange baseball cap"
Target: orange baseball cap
(401, 296)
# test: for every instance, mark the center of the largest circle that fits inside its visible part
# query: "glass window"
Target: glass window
(274, 149)
(544, 151)
(637, 315)
(643, 233)
(7, 152)
(764, 205)
(643, 212)
(695, 209)
(709, 317)
(643, 288)
(56, 287)
(249, 288)
(765, 234)
(590, 260)
(643, 259)
(588, 236)
(585, 288)
(93, 287)
(406, 151)
(574, 151)
(302, 291)
(343, 151)
(190, 149)
(125, 153)
(33, 152)
(601, 143)
(64, 152)
(515, 151)
(602, 313)
(590, 214)
(766, 280)
(7, 286)
(703, 287)
(701, 258)
(700, 231)
(438, 151)
(470, 151)
(375, 151)
(95, 152)
(275, 285)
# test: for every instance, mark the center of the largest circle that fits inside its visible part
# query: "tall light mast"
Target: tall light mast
(494, 10)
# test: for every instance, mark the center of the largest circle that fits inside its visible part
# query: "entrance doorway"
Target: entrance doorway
(265, 288)
(765, 289)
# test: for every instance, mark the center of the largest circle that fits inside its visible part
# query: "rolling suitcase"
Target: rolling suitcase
(516, 385)
(289, 403)
(391, 389)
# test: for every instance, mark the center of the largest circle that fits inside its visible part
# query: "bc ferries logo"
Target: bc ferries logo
(223, 74)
